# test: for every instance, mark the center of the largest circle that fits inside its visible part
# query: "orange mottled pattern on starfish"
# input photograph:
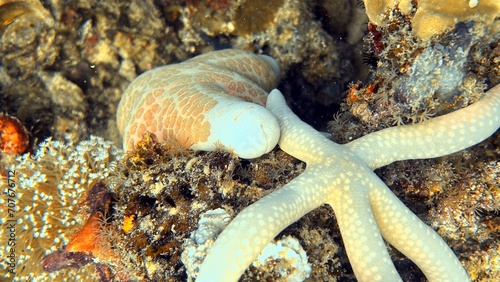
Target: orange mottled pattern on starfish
(171, 101)
(170, 117)
(245, 64)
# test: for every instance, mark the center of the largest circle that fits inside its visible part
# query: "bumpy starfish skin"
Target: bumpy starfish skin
(366, 210)
(204, 103)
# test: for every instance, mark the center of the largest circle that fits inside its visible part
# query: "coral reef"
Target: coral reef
(88, 51)
(433, 17)
(261, 13)
(397, 56)
(14, 10)
(49, 188)
(459, 197)
(210, 225)
(318, 59)
(65, 73)
(413, 80)
(284, 260)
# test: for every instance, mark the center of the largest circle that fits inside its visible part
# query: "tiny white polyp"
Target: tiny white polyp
(248, 129)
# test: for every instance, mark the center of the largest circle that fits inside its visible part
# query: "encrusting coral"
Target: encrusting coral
(433, 17)
(411, 80)
(203, 103)
(50, 185)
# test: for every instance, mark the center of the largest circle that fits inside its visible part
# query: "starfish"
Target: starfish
(213, 100)
(367, 211)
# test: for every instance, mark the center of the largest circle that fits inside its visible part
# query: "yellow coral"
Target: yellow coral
(435, 16)
(128, 223)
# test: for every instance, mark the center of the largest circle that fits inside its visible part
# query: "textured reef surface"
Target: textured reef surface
(75, 206)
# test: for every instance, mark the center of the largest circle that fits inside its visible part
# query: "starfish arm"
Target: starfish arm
(298, 138)
(364, 245)
(203, 101)
(253, 228)
(433, 138)
(407, 233)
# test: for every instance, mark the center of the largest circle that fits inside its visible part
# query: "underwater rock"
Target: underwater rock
(433, 17)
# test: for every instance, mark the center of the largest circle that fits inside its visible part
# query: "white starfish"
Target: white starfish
(342, 176)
